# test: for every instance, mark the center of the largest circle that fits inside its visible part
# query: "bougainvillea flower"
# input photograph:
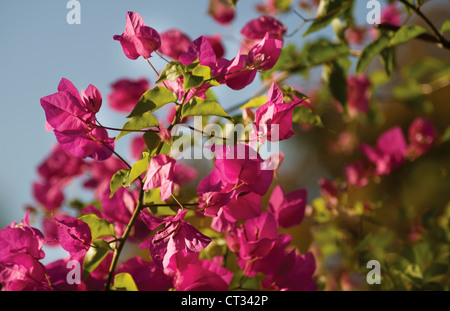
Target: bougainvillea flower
(72, 118)
(330, 191)
(216, 44)
(275, 161)
(258, 27)
(101, 174)
(137, 147)
(358, 94)
(255, 238)
(294, 273)
(214, 199)
(273, 120)
(243, 68)
(357, 173)
(174, 42)
(223, 222)
(49, 196)
(389, 152)
(119, 208)
(356, 35)
(60, 167)
(20, 252)
(92, 142)
(288, 209)
(267, 7)
(160, 174)
(56, 272)
(240, 167)
(192, 274)
(184, 173)
(222, 11)
(233, 190)
(284, 268)
(74, 236)
(21, 238)
(146, 274)
(391, 14)
(238, 74)
(421, 135)
(138, 39)
(23, 272)
(177, 235)
(126, 94)
(65, 110)
(265, 54)
(200, 49)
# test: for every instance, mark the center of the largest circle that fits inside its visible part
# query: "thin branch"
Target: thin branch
(424, 37)
(439, 36)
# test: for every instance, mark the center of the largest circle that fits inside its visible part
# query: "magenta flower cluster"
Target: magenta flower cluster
(230, 196)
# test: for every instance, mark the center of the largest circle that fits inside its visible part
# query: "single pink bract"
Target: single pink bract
(126, 94)
(138, 39)
(160, 174)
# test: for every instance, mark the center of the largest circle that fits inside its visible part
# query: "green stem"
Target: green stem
(124, 238)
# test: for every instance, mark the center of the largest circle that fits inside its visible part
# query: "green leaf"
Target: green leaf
(406, 33)
(255, 102)
(304, 115)
(378, 77)
(445, 26)
(171, 72)
(436, 269)
(139, 122)
(94, 256)
(152, 196)
(323, 51)
(191, 81)
(388, 58)
(99, 227)
(205, 72)
(446, 136)
(283, 5)
(289, 92)
(210, 95)
(139, 167)
(120, 179)
(203, 107)
(321, 212)
(411, 94)
(370, 51)
(326, 12)
(152, 100)
(124, 282)
(414, 272)
(152, 141)
(336, 77)
(241, 282)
